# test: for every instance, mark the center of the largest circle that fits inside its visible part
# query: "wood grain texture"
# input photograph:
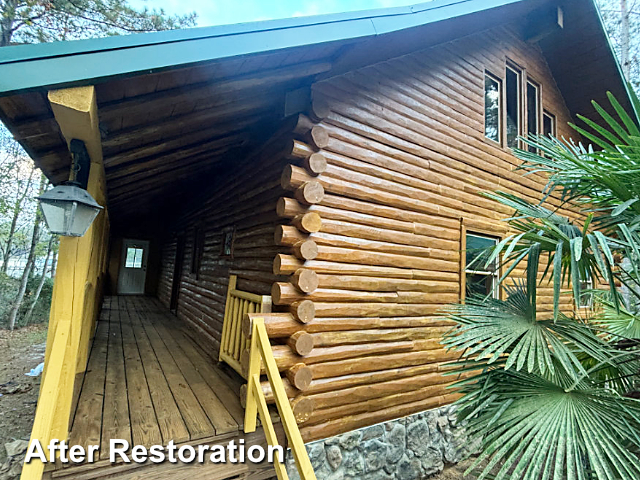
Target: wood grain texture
(156, 383)
(382, 176)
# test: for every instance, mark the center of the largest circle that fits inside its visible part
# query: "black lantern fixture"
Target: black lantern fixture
(68, 208)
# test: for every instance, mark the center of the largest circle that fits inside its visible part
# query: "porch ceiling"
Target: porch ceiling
(163, 131)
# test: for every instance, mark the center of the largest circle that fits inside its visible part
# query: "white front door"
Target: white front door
(133, 267)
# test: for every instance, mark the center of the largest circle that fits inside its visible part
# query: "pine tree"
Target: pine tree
(35, 21)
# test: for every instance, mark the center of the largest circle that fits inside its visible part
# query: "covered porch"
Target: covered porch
(148, 382)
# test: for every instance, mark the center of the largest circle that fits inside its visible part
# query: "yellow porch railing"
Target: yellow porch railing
(261, 353)
(239, 303)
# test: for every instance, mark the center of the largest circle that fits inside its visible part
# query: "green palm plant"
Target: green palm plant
(550, 397)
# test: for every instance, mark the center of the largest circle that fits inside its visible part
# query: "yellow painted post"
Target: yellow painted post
(76, 294)
(251, 409)
(226, 323)
(267, 425)
(49, 392)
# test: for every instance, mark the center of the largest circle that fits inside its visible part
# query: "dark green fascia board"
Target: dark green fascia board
(63, 64)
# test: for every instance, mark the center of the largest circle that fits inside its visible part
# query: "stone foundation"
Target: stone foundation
(410, 448)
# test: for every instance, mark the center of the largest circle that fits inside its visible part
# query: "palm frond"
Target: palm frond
(618, 322)
(547, 431)
(507, 331)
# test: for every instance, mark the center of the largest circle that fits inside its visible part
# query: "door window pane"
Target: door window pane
(513, 106)
(134, 257)
(492, 94)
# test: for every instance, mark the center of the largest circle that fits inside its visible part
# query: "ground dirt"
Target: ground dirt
(20, 351)
(455, 472)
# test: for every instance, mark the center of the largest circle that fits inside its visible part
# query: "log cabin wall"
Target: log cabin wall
(407, 161)
(241, 205)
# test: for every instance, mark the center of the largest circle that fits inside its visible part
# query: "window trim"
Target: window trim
(591, 285)
(520, 74)
(197, 251)
(554, 122)
(499, 81)
(469, 227)
(538, 87)
(228, 231)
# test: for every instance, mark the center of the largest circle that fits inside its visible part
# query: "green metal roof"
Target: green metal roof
(28, 67)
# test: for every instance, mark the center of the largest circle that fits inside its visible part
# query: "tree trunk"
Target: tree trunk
(14, 221)
(13, 314)
(54, 264)
(625, 39)
(43, 277)
(7, 17)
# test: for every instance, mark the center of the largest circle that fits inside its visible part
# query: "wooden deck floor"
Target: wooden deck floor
(148, 382)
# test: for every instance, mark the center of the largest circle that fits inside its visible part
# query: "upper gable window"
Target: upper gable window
(513, 87)
(492, 107)
(548, 124)
(533, 109)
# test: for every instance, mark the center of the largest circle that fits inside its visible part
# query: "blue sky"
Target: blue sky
(221, 12)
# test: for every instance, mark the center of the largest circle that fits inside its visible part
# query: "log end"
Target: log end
(281, 206)
(319, 109)
(316, 163)
(301, 343)
(300, 376)
(304, 311)
(310, 193)
(310, 222)
(285, 264)
(302, 408)
(306, 250)
(285, 178)
(319, 137)
(305, 280)
(243, 395)
(244, 362)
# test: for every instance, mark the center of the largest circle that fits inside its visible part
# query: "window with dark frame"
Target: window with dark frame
(228, 239)
(548, 124)
(522, 113)
(533, 108)
(197, 251)
(480, 279)
(513, 86)
(586, 296)
(492, 107)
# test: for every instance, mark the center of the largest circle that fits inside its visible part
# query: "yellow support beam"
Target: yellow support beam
(77, 291)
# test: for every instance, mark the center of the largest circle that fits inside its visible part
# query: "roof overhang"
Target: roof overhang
(167, 100)
(82, 62)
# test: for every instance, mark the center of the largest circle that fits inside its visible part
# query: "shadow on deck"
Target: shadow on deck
(147, 382)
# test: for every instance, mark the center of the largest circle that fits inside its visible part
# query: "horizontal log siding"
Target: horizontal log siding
(165, 281)
(407, 163)
(361, 250)
(244, 198)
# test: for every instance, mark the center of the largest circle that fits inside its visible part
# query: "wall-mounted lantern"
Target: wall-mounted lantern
(68, 208)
